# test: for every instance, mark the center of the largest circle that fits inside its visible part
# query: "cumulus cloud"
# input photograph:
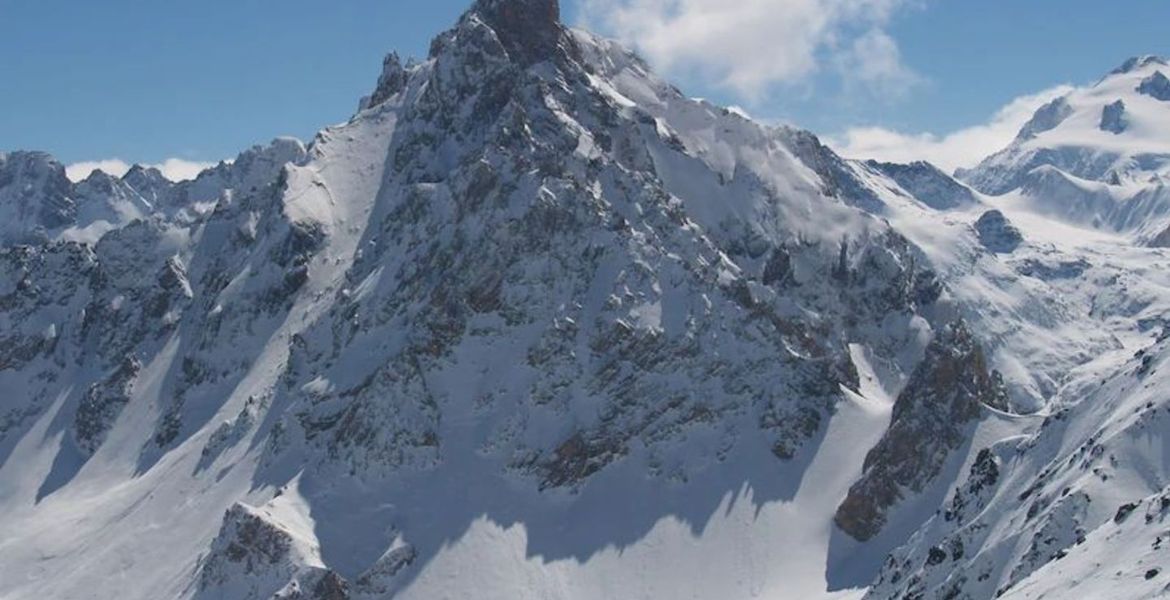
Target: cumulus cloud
(748, 45)
(81, 170)
(175, 169)
(959, 149)
(874, 60)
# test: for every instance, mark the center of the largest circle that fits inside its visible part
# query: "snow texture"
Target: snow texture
(533, 324)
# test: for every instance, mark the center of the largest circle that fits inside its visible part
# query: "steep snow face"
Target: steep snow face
(531, 308)
(1072, 504)
(533, 324)
(1098, 156)
(1073, 317)
(943, 397)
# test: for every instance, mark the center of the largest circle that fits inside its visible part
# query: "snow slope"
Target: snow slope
(530, 308)
(1074, 318)
(1099, 155)
(533, 324)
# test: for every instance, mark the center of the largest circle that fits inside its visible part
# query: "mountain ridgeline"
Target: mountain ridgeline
(535, 324)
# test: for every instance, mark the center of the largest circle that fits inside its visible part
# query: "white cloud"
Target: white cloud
(748, 45)
(81, 170)
(874, 60)
(960, 149)
(175, 169)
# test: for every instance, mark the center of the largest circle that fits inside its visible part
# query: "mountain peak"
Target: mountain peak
(139, 172)
(529, 29)
(29, 157)
(524, 12)
(1139, 62)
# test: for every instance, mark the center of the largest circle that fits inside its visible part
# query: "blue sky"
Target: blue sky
(146, 81)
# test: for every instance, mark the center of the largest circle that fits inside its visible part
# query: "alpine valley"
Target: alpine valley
(533, 324)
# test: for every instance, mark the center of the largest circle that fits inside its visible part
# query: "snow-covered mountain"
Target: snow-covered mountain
(38, 203)
(1071, 311)
(534, 324)
(1098, 156)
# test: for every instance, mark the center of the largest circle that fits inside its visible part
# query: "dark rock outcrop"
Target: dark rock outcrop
(249, 541)
(927, 184)
(945, 394)
(1113, 118)
(391, 82)
(150, 183)
(102, 404)
(997, 234)
(1138, 62)
(530, 30)
(1047, 118)
(256, 557)
(839, 180)
(1156, 86)
(973, 496)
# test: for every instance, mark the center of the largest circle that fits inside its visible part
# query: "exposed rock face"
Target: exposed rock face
(35, 197)
(927, 184)
(1047, 118)
(945, 394)
(149, 182)
(525, 32)
(1139, 62)
(1113, 118)
(530, 30)
(250, 542)
(1156, 86)
(378, 579)
(102, 404)
(972, 497)
(524, 165)
(501, 263)
(33, 301)
(997, 234)
(903, 577)
(1055, 500)
(330, 587)
(391, 82)
(256, 557)
(43, 290)
(837, 175)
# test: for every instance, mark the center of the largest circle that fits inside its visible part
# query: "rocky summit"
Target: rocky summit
(532, 323)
